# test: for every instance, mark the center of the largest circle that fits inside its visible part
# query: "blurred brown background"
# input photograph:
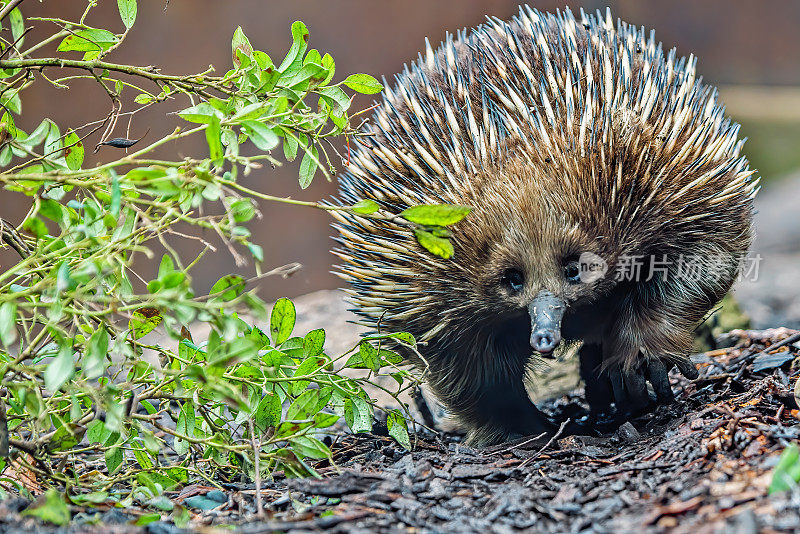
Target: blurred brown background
(740, 45)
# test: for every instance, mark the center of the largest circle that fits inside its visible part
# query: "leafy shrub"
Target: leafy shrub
(80, 405)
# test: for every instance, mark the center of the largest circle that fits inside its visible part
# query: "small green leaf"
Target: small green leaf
(228, 287)
(202, 113)
(308, 166)
(369, 355)
(260, 338)
(241, 43)
(273, 359)
(436, 214)
(313, 343)
(302, 79)
(390, 357)
(261, 136)
(256, 250)
(127, 12)
(38, 135)
(35, 226)
(53, 143)
(268, 412)
(250, 111)
(365, 206)
(355, 362)
(51, 509)
(52, 210)
(143, 321)
(166, 266)
(294, 58)
(290, 145)
(173, 280)
(114, 458)
(313, 56)
(336, 98)
(281, 322)
(17, 26)
(11, 101)
(186, 420)
(91, 40)
(146, 519)
(142, 458)
(307, 368)
(65, 438)
(214, 140)
(358, 414)
(94, 497)
(435, 245)
(403, 337)
(307, 446)
(116, 194)
(60, 369)
(96, 432)
(143, 99)
(262, 59)
(308, 404)
(324, 420)
(94, 360)
(242, 210)
(364, 84)
(7, 124)
(330, 66)
(8, 323)
(288, 428)
(5, 155)
(189, 351)
(398, 428)
(786, 474)
(73, 151)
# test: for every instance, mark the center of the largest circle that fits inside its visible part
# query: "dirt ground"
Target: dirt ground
(700, 465)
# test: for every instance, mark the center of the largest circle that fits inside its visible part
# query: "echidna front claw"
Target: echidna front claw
(657, 374)
(625, 389)
(687, 368)
(630, 390)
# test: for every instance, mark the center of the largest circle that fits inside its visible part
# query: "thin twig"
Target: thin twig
(521, 444)
(555, 436)
(9, 7)
(256, 464)
(148, 72)
(12, 238)
(13, 46)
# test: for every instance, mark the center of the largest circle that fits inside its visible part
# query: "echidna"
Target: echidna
(571, 139)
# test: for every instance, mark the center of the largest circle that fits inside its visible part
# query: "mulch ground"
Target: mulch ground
(700, 465)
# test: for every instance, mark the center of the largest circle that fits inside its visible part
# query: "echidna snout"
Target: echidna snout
(546, 311)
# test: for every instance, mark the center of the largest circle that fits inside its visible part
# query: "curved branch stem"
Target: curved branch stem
(9, 7)
(149, 72)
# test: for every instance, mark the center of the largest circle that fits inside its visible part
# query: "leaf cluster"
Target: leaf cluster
(85, 378)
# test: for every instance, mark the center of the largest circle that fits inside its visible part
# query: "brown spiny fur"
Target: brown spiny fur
(565, 136)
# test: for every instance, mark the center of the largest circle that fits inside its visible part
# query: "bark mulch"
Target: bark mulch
(700, 465)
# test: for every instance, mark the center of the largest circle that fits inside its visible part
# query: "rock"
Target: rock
(628, 433)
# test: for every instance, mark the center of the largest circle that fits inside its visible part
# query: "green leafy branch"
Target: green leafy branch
(80, 382)
(84, 375)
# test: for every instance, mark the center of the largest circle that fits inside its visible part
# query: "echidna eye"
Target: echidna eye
(514, 280)
(572, 272)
